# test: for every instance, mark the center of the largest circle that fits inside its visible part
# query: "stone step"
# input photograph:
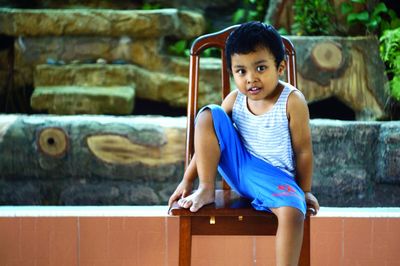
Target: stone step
(98, 22)
(84, 99)
(149, 85)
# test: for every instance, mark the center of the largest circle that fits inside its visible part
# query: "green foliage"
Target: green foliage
(390, 53)
(377, 20)
(312, 17)
(182, 48)
(179, 48)
(253, 10)
(212, 52)
(147, 6)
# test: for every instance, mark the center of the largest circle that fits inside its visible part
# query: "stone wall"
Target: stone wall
(107, 160)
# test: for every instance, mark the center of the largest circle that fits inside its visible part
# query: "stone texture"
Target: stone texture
(151, 85)
(366, 96)
(143, 23)
(388, 170)
(345, 154)
(19, 137)
(108, 193)
(138, 37)
(83, 100)
(355, 163)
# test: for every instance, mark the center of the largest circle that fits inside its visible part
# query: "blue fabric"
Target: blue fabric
(264, 184)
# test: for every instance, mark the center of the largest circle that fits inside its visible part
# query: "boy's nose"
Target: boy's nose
(251, 78)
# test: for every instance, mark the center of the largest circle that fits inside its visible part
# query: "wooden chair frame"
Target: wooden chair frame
(230, 214)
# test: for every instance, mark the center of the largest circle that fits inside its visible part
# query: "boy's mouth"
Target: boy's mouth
(254, 89)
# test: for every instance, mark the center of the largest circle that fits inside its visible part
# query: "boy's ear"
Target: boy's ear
(281, 67)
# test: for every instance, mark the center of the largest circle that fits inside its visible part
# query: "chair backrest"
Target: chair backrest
(217, 40)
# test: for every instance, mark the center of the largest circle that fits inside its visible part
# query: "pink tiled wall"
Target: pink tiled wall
(153, 241)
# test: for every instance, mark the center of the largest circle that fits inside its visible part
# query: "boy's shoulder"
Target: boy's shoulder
(230, 100)
(292, 90)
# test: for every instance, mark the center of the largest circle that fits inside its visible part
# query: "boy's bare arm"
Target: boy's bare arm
(301, 139)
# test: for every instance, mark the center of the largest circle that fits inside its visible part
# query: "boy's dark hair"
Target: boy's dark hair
(252, 35)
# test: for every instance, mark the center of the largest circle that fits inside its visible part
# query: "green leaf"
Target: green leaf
(178, 48)
(358, 1)
(181, 45)
(395, 87)
(253, 15)
(381, 7)
(346, 8)
(282, 31)
(238, 15)
(358, 17)
(392, 14)
(187, 52)
(373, 24)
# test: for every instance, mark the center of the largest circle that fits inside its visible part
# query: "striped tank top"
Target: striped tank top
(267, 136)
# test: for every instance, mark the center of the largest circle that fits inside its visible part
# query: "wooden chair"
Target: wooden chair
(230, 214)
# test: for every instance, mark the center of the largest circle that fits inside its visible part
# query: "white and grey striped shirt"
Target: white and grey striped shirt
(267, 136)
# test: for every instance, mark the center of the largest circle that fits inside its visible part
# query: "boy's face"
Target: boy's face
(255, 74)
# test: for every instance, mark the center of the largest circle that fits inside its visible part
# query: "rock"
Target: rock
(331, 66)
(388, 170)
(345, 156)
(58, 22)
(101, 61)
(92, 147)
(108, 193)
(83, 100)
(149, 85)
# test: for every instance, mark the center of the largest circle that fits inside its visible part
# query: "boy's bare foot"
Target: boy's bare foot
(198, 199)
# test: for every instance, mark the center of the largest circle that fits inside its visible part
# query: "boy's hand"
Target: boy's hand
(183, 189)
(312, 202)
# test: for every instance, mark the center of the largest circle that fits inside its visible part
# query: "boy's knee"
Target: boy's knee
(289, 215)
(204, 119)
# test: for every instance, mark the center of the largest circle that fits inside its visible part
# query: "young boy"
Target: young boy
(259, 140)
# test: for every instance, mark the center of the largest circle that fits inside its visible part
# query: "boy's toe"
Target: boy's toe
(195, 207)
(184, 203)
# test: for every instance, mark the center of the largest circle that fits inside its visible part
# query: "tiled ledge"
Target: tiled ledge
(147, 236)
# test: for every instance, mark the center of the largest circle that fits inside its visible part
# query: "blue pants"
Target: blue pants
(264, 184)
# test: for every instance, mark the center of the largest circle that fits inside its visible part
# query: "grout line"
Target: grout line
(78, 240)
(343, 242)
(166, 240)
(254, 251)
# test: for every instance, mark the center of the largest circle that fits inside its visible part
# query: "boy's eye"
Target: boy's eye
(261, 68)
(240, 71)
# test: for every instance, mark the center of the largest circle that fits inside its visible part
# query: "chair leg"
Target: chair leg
(185, 241)
(305, 255)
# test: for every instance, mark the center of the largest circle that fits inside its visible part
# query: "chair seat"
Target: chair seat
(230, 214)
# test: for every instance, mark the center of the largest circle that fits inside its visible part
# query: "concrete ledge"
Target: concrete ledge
(161, 211)
(83, 211)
